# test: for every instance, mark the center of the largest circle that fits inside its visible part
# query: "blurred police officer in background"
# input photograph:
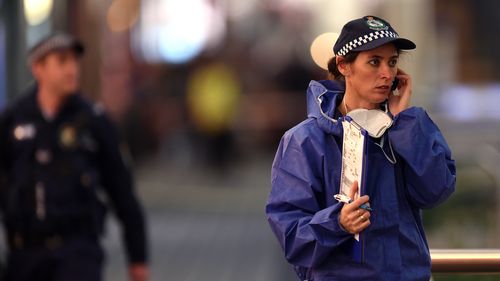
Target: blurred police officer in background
(60, 164)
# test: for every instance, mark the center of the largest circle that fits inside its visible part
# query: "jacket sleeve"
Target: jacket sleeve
(306, 233)
(429, 171)
(3, 149)
(118, 183)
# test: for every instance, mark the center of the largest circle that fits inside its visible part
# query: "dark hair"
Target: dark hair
(333, 69)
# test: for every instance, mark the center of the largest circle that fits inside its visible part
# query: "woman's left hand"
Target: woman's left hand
(401, 101)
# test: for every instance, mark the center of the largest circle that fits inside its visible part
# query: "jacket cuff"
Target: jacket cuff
(329, 219)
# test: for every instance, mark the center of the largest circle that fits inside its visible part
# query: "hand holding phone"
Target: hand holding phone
(400, 100)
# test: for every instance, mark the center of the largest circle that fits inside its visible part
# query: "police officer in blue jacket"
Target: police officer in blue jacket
(60, 166)
(409, 168)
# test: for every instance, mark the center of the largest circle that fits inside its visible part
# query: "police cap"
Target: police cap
(54, 42)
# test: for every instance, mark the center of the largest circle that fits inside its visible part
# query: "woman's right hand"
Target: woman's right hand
(352, 218)
(400, 102)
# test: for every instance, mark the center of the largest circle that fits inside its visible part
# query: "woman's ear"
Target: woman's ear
(343, 67)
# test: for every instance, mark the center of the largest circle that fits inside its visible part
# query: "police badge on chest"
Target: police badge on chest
(68, 137)
(72, 137)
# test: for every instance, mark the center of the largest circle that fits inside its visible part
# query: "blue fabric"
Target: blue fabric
(303, 213)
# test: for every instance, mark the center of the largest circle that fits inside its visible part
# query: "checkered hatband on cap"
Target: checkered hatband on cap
(360, 41)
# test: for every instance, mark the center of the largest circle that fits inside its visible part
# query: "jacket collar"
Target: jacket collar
(71, 103)
(323, 98)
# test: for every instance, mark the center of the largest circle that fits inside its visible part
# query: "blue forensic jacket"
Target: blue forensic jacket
(303, 213)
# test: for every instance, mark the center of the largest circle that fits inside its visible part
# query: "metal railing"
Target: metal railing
(484, 261)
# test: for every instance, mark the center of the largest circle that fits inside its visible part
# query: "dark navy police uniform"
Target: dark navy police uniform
(56, 179)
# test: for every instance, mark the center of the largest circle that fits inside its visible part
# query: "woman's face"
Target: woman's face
(371, 74)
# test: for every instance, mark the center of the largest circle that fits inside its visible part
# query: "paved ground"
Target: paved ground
(205, 227)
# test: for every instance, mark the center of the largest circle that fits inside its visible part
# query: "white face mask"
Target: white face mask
(374, 121)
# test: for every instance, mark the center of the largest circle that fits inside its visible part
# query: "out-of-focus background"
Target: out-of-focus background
(202, 91)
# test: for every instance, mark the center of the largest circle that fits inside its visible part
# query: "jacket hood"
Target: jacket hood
(323, 98)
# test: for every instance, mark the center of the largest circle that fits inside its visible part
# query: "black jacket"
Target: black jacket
(57, 176)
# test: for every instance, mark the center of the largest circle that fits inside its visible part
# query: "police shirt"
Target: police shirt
(52, 173)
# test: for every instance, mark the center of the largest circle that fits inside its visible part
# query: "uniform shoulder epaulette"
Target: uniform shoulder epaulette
(98, 109)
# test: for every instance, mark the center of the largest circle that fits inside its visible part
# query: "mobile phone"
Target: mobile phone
(395, 84)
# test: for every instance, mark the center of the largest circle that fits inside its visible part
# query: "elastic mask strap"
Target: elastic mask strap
(392, 160)
(386, 105)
